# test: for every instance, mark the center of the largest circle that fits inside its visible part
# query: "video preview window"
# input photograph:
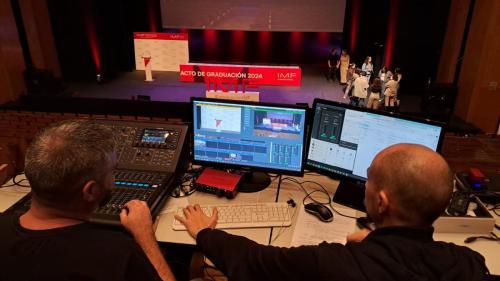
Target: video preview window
(277, 124)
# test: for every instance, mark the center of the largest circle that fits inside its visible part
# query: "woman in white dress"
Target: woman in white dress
(368, 67)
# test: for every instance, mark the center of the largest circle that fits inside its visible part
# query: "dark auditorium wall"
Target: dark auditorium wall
(419, 31)
(11, 57)
(95, 36)
(365, 29)
(303, 48)
(86, 29)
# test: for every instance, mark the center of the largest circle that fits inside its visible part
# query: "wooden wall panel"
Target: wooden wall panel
(39, 35)
(452, 41)
(477, 102)
(12, 63)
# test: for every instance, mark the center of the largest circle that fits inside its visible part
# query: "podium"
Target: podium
(147, 67)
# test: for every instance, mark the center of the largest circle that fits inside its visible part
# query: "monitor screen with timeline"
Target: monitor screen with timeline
(344, 139)
(245, 135)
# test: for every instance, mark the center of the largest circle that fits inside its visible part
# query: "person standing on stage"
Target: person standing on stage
(397, 74)
(360, 90)
(333, 65)
(368, 67)
(352, 74)
(344, 64)
(397, 77)
(375, 89)
(390, 93)
(382, 74)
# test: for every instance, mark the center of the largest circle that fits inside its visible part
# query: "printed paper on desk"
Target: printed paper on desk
(309, 230)
(173, 204)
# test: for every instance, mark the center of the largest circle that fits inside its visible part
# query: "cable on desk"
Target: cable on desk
(282, 228)
(186, 185)
(275, 200)
(497, 226)
(495, 209)
(323, 191)
(279, 187)
(492, 237)
(15, 182)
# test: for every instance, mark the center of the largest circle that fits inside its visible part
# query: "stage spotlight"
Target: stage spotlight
(99, 78)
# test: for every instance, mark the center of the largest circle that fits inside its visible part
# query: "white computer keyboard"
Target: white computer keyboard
(245, 215)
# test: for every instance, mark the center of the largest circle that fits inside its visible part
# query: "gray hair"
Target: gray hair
(64, 156)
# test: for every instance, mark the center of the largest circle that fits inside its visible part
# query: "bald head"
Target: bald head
(417, 180)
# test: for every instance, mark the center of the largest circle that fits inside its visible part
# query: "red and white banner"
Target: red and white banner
(160, 51)
(241, 74)
(160, 36)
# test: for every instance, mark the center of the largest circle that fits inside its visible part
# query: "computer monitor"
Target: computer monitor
(344, 140)
(250, 137)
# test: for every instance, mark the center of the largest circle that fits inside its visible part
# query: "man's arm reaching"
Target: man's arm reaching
(139, 223)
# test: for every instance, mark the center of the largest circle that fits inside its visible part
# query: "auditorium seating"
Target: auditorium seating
(18, 128)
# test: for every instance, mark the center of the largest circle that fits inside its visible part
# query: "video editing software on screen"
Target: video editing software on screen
(269, 137)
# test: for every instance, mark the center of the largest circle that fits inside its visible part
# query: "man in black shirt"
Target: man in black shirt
(408, 187)
(70, 170)
(333, 65)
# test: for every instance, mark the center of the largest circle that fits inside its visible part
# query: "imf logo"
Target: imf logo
(286, 76)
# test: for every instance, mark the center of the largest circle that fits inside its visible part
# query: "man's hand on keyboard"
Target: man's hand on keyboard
(136, 218)
(195, 220)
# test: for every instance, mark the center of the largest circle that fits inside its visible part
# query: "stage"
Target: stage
(166, 87)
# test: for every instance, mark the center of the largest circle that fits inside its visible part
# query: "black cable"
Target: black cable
(186, 183)
(492, 237)
(495, 209)
(16, 183)
(279, 187)
(323, 190)
(275, 200)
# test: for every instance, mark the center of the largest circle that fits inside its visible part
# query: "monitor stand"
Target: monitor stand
(351, 194)
(253, 181)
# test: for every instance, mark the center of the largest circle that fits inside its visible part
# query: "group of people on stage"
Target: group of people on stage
(361, 85)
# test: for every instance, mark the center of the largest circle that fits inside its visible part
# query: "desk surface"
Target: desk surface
(164, 233)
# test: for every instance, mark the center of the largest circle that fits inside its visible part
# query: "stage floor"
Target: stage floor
(166, 87)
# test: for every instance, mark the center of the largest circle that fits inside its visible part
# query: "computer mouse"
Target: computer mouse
(322, 212)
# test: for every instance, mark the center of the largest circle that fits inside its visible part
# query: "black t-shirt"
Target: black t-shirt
(79, 252)
(389, 253)
(333, 59)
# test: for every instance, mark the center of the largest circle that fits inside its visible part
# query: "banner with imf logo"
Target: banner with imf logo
(241, 74)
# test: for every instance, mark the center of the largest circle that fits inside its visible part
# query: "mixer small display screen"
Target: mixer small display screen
(155, 136)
